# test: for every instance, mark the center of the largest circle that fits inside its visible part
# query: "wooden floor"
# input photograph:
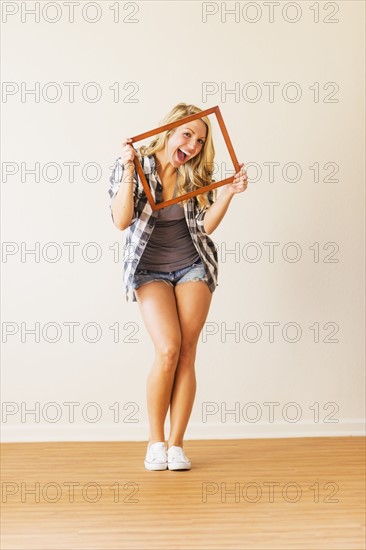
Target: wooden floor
(250, 494)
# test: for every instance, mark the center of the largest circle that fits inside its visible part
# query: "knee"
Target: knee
(187, 355)
(168, 357)
(188, 350)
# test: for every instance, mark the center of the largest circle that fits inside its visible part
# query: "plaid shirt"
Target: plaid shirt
(143, 223)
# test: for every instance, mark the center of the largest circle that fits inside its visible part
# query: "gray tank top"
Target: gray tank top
(170, 246)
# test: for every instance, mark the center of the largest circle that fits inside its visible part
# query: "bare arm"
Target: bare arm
(217, 210)
(123, 202)
(122, 205)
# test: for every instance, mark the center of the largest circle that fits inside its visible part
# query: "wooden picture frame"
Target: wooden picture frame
(180, 122)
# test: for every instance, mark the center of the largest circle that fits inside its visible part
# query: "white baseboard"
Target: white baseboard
(196, 431)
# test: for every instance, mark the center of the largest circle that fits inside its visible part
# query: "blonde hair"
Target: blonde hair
(196, 172)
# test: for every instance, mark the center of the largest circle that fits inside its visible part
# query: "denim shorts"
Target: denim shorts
(193, 272)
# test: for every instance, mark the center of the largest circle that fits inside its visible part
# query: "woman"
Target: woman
(172, 266)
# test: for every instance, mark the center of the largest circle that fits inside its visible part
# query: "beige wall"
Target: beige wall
(172, 55)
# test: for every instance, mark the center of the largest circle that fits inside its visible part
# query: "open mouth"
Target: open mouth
(181, 155)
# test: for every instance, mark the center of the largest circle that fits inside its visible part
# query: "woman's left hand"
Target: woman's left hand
(240, 181)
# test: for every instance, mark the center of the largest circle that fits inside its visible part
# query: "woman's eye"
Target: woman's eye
(189, 135)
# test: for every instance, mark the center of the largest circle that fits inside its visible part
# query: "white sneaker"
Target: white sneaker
(156, 456)
(177, 460)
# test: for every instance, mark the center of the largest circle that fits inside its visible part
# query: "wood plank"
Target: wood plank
(187, 509)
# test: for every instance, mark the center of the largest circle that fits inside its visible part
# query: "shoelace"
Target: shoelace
(177, 456)
(159, 454)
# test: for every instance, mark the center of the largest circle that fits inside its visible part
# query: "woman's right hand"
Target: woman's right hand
(128, 152)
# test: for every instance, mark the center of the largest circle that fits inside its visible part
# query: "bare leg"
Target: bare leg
(158, 307)
(193, 302)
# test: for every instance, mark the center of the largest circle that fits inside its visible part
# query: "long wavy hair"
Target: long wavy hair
(196, 172)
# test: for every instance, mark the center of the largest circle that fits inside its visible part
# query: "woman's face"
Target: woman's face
(186, 142)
